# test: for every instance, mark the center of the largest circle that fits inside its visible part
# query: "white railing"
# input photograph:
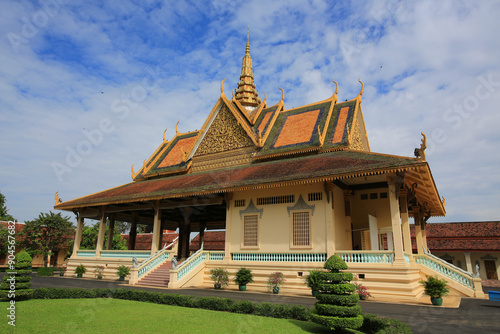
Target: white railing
(191, 262)
(216, 256)
(446, 269)
(279, 257)
(366, 256)
(156, 259)
(120, 254)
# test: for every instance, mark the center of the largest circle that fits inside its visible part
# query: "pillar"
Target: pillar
(348, 222)
(468, 263)
(418, 233)
(78, 235)
(111, 231)
(202, 235)
(405, 219)
(329, 213)
(424, 235)
(156, 228)
(399, 258)
(184, 232)
(132, 234)
(100, 234)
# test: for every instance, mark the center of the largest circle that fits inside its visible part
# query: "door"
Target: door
(491, 269)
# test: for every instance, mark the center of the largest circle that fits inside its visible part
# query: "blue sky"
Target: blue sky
(105, 78)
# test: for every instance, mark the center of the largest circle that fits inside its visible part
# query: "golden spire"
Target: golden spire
(246, 93)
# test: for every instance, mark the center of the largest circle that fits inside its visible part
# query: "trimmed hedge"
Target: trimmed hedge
(371, 323)
(338, 289)
(339, 311)
(335, 323)
(17, 279)
(45, 271)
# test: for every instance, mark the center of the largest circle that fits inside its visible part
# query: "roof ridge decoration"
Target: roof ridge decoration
(322, 134)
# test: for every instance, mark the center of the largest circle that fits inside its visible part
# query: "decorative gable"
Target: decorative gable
(224, 134)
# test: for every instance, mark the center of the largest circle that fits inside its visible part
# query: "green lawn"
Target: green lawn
(124, 316)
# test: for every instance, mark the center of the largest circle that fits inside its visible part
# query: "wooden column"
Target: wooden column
(347, 210)
(111, 230)
(184, 232)
(156, 228)
(100, 234)
(78, 235)
(399, 258)
(132, 234)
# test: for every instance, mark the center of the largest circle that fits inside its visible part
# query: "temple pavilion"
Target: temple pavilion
(290, 187)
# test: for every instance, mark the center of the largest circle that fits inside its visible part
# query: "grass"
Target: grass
(124, 316)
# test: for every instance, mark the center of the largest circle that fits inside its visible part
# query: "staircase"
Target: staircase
(158, 277)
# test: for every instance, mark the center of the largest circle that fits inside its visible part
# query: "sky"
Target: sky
(88, 87)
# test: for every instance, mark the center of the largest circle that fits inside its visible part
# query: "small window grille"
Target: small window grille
(239, 203)
(364, 196)
(250, 230)
(276, 200)
(315, 196)
(383, 195)
(373, 196)
(301, 229)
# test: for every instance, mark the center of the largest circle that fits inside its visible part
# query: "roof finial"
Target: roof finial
(246, 93)
(247, 51)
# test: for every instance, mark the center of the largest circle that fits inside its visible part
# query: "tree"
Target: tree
(48, 233)
(4, 216)
(89, 238)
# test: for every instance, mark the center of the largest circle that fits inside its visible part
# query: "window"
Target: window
(311, 197)
(251, 231)
(275, 200)
(239, 203)
(301, 229)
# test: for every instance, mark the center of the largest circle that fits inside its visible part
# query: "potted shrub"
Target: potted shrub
(243, 277)
(362, 291)
(313, 280)
(220, 276)
(275, 281)
(62, 270)
(80, 270)
(98, 272)
(435, 288)
(122, 272)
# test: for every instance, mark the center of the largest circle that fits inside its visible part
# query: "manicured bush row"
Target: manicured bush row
(371, 323)
(45, 271)
(22, 285)
(376, 324)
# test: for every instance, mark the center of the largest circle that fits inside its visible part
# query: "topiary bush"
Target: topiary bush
(17, 281)
(337, 304)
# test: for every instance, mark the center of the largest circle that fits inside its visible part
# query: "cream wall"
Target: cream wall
(275, 223)
(342, 226)
(360, 209)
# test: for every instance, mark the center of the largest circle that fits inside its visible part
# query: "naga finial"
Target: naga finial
(336, 90)
(420, 152)
(56, 196)
(134, 174)
(282, 94)
(164, 139)
(222, 87)
(444, 201)
(362, 89)
(177, 128)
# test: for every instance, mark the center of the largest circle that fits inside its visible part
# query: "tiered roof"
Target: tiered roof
(246, 144)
